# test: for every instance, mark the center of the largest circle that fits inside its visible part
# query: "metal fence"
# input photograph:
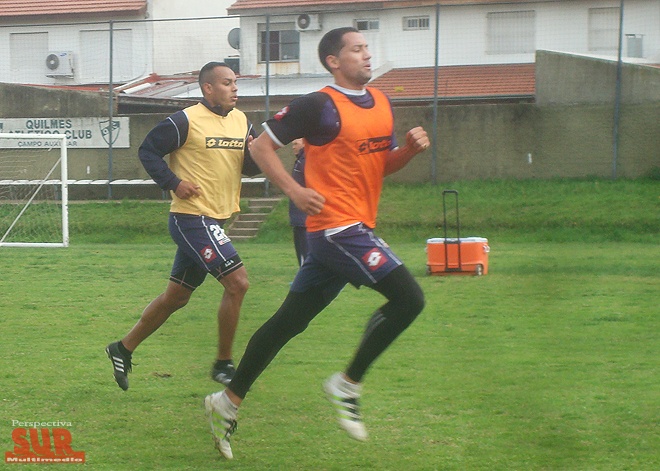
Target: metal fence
(275, 55)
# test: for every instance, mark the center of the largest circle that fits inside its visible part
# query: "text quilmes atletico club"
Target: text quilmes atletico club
(55, 126)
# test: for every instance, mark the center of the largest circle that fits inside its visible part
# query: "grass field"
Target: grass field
(550, 362)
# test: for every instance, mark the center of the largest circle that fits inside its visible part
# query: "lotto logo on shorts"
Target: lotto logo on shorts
(374, 259)
(208, 254)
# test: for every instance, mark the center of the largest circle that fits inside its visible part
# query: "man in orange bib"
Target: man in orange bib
(350, 146)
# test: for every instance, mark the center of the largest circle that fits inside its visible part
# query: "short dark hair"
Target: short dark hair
(205, 72)
(332, 42)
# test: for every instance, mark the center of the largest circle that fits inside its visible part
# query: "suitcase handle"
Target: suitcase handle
(458, 230)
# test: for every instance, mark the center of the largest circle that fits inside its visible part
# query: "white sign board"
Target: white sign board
(82, 133)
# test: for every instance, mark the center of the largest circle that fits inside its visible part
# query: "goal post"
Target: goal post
(34, 193)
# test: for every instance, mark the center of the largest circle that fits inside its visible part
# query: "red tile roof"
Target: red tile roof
(240, 5)
(31, 8)
(290, 4)
(471, 82)
(456, 82)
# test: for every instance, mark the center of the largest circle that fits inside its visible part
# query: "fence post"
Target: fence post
(617, 97)
(434, 131)
(110, 111)
(267, 46)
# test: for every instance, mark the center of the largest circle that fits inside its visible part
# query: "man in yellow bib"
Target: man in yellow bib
(208, 151)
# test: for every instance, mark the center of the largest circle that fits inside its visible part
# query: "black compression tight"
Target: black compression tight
(405, 302)
(293, 317)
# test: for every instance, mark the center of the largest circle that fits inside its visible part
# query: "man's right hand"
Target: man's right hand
(187, 190)
(307, 200)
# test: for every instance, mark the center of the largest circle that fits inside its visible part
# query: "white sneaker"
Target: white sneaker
(222, 416)
(344, 397)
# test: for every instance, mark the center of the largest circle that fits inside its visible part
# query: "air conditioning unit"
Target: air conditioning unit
(234, 64)
(635, 45)
(59, 64)
(308, 22)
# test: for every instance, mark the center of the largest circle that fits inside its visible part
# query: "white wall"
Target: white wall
(170, 47)
(26, 47)
(139, 47)
(183, 46)
(561, 26)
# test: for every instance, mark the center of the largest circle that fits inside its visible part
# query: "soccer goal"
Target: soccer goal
(33, 190)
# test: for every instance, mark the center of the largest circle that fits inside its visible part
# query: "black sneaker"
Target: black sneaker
(223, 372)
(121, 364)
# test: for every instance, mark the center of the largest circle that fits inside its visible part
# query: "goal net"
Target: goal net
(33, 190)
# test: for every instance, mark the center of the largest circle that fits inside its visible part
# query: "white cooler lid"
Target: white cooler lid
(441, 240)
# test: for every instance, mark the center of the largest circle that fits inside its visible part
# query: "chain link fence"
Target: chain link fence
(445, 62)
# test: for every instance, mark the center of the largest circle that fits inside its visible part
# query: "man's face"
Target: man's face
(353, 62)
(221, 89)
(297, 145)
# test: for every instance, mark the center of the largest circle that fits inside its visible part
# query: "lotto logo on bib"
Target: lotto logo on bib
(224, 143)
(374, 259)
(43, 443)
(375, 144)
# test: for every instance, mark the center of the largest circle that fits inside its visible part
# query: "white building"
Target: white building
(182, 46)
(67, 42)
(402, 34)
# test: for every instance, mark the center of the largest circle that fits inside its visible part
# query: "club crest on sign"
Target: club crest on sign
(106, 129)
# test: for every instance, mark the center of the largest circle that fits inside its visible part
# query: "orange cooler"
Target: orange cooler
(443, 256)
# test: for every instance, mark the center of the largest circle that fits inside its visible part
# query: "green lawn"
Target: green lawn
(550, 362)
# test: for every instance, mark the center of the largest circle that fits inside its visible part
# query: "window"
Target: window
(412, 23)
(95, 67)
(603, 29)
(367, 25)
(511, 32)
(27, 56)
(284, 44)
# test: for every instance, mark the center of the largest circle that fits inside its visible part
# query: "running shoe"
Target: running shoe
(344, 397)
(224, 373)
(222, 417)
(121, 364)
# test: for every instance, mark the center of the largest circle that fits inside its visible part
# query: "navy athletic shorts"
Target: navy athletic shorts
(355, 255)
(202, 247)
